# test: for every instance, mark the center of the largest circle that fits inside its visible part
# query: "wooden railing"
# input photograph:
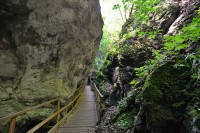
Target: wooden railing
(99, 103)
(73, 101)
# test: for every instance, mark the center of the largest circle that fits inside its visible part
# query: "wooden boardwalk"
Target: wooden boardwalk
(84, 118)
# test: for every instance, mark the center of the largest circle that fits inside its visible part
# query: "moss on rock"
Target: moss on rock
(165, 97)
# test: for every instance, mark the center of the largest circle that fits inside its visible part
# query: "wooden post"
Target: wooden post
(12, 125)
(58, 108)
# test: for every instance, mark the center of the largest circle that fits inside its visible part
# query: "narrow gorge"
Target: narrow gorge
(123, 66)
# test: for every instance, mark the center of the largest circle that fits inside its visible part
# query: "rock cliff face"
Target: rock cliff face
(46, 49)
(165, 98)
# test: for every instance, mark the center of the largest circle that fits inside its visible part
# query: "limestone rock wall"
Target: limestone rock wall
(46, 49)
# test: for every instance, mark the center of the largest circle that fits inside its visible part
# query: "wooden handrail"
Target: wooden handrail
(54, 114)
(99, 93)
(98, 97)
(27, 110)
(53, 129)
(13, 116)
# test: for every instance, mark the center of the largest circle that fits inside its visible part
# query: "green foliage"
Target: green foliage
(128, 35)
(116, 6)
(142, 71)
(172, 45)
(142, 12)
(141, 8)
(126, 120)
(190, 33)
(124, 7)
(194, 60)
(134, 83)
(106, 46)
(149, 34)
(175, 43)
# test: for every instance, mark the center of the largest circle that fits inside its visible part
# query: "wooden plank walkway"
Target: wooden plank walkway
(84, 118)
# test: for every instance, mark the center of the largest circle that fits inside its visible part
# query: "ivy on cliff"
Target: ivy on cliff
(174, 45)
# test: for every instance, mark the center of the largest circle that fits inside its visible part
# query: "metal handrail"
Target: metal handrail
(13, 116)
